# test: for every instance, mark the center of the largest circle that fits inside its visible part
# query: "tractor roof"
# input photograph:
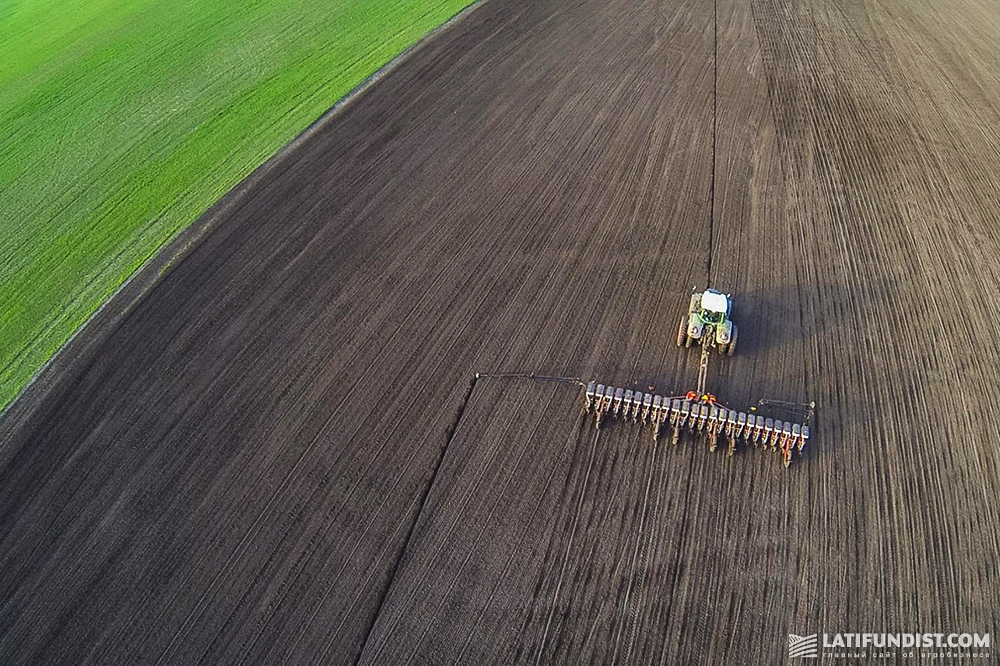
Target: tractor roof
(714, 301)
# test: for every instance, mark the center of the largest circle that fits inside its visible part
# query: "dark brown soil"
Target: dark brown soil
(262, 456)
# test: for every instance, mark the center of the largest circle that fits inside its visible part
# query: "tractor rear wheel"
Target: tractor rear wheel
(682, 333)
(731, 347)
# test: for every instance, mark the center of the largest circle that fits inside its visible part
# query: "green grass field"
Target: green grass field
(122, 120)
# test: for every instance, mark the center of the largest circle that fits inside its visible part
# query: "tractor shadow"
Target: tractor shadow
(789, 338)
(780, 317)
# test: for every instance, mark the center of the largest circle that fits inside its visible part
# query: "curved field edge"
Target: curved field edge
(121, 123)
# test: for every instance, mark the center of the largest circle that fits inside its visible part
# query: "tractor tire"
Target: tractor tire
(731, 347)
(682, 331)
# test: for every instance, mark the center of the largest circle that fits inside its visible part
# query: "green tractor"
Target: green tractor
(708, 322)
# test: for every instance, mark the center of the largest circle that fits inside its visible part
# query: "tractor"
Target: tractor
(708, 322)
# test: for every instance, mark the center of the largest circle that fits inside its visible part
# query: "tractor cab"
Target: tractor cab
(714, 307)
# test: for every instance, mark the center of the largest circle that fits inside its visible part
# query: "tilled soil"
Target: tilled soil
(275, 452)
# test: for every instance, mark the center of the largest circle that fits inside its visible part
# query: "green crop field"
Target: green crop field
(122, 120)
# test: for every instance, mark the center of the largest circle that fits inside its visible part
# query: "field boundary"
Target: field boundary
(105, 319)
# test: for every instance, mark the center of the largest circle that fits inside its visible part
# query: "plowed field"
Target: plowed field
(272, 454)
